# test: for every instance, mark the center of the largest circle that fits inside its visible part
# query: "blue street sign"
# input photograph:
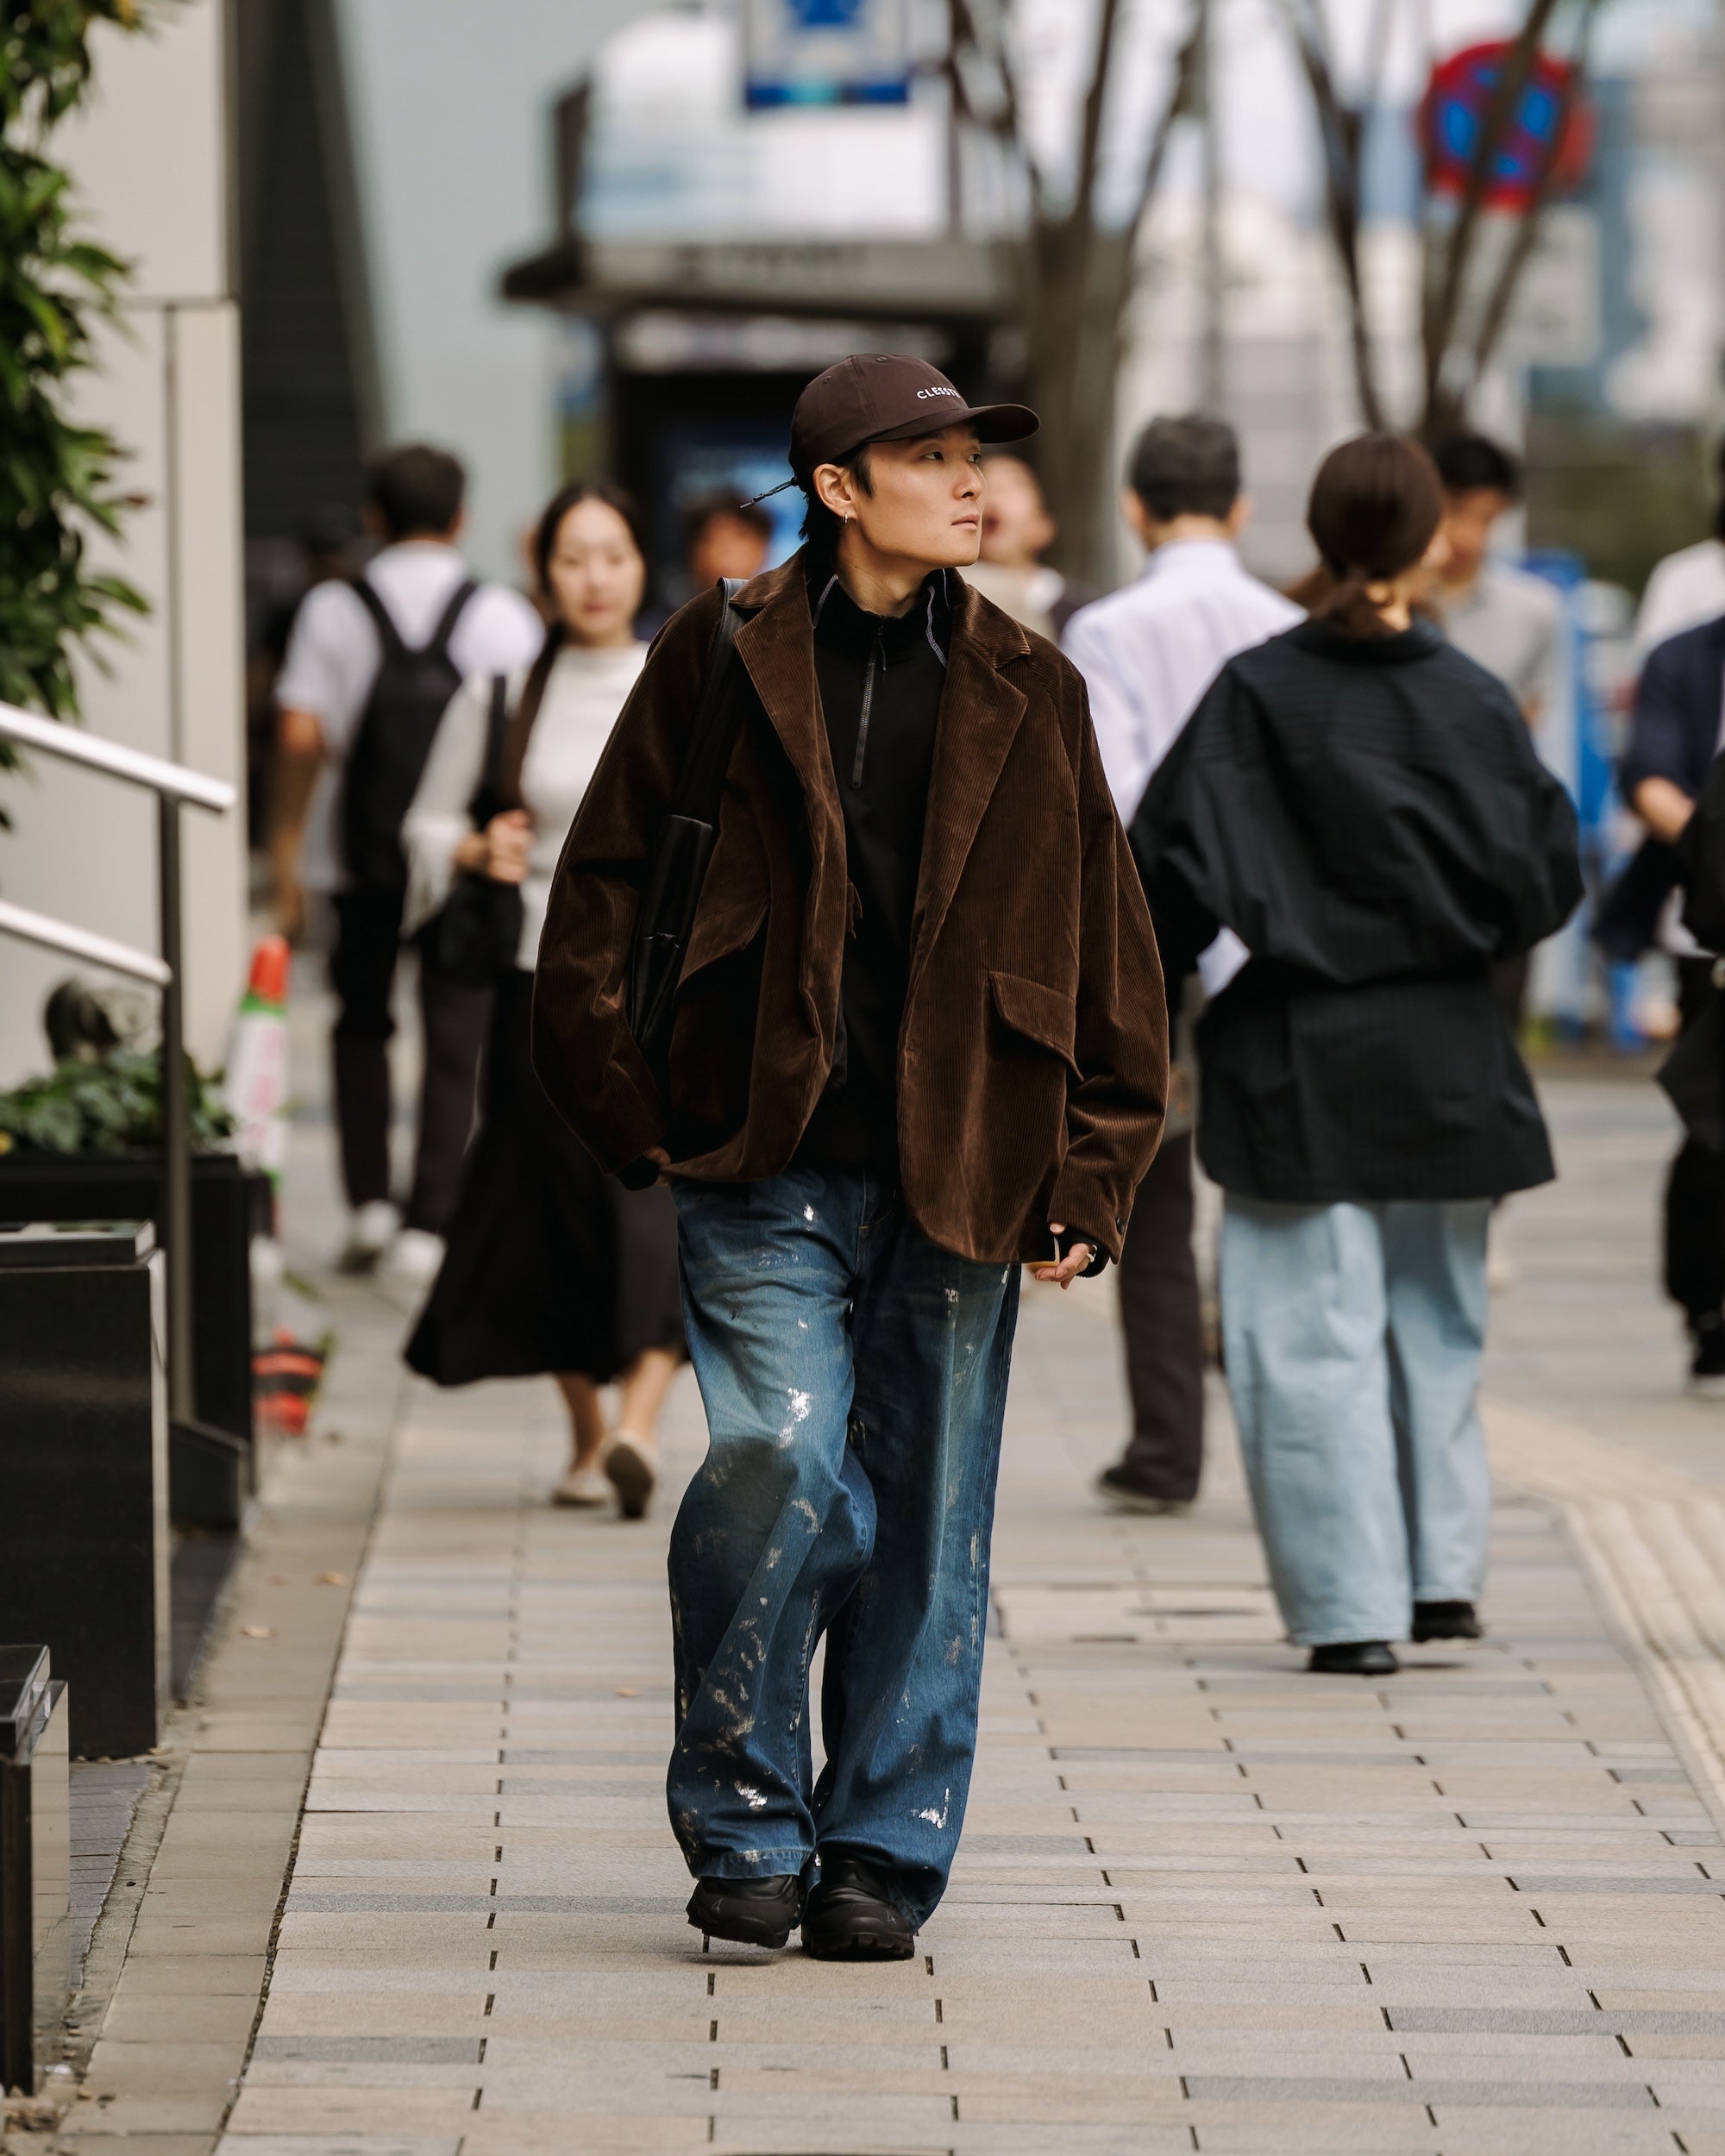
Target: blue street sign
(825, 52)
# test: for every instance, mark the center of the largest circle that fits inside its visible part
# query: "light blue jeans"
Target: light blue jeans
(1353, 1335)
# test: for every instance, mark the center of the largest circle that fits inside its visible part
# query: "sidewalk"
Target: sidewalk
(1203, 1901)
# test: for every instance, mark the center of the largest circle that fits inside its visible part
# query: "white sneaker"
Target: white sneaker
(370, 1229)
(631, 1468)
(415, 1257)
(584, 1486)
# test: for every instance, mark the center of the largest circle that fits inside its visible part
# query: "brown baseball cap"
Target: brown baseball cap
(884, 397)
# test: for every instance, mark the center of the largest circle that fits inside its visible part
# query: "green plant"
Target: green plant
(112, 1104)
(57, 478)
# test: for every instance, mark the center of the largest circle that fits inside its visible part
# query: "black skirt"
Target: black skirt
(550, 1266)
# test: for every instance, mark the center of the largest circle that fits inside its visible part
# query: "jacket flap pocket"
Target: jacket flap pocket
(721, 930)
(1041, 1014)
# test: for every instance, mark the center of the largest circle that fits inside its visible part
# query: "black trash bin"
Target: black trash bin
(83, 1517)
(35, 1863)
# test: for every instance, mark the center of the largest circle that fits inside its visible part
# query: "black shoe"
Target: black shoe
(1707, 1369)
(1353, 1658)
(850, 1918)
(1446, 1620)
(753, 1912)
(1126, 1493)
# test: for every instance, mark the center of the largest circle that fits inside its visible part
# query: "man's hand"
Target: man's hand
(661, 1160)
(1665, 808)
(1066, 1269)
(299, 754)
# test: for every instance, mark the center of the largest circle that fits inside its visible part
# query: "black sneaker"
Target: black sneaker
(1707, 1369)
(752, 1912)
(850, 1917)
(1124, 1491)
(1353, 1658)
(1446, 1620)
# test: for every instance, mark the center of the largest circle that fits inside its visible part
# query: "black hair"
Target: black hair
(1376, 502)
(1189, 467)
(821, 529)
(707, 509)
(417, 491)
(569, 497)
(1470, 462)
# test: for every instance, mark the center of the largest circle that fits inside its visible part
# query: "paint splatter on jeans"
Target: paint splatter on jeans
(855, 1381)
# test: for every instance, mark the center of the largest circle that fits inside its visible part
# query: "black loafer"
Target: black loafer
(1446, 1620)
(850, 1918)
(752, 1912)
(1353, 1658)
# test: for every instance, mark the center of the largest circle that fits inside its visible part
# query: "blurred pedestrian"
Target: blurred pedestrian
(1506, 620)
(724, 536)
(1674, 731)
(1017, 531)
(1687, 587)
(918, 1038)
(1147, 654)
(551, 1268)
(371, 666)
(1360, 802)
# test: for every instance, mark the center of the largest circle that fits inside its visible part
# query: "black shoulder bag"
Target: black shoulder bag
(672, 891)
(475, 934)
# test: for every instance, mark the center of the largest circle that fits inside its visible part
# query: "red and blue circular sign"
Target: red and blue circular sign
(1459, 99)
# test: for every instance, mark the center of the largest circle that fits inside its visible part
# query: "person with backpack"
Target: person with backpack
(370, 667)
(551, 1268)
(916, 1038)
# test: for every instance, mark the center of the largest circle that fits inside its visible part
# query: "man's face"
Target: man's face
(1016, 525)
(726, 546)
(926, 499)
(1468, 519)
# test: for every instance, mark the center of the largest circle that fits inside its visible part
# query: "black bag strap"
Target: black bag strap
(439, 646)
(701, 780)
(388, 635)
(486, 799)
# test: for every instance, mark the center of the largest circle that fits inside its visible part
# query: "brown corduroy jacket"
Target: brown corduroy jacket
(1033, 1054)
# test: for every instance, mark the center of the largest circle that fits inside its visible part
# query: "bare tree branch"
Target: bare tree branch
(1497, 312)
(1186, 67)
(1441, 308)
(1095, 99)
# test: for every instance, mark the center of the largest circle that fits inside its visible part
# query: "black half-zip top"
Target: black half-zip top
(880, 680)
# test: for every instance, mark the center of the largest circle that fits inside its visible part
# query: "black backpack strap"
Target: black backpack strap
(388, 635)
(701, 780)
(438, 648)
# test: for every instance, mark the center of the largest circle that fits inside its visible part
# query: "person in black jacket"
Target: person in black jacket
(1360, 806)
(1672, 737)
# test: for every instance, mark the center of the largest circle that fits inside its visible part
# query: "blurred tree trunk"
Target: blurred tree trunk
(1464, 303)
(1075, 271)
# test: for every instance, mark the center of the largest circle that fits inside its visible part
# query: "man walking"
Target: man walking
(918, 1038)
(370, 666)
(1147, 654)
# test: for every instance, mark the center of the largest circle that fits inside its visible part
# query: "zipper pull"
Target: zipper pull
(863, 715)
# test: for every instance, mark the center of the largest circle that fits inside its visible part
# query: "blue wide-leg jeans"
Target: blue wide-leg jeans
(1353, 1336)
(855, 1382)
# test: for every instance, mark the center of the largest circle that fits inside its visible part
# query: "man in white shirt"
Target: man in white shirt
(1687, 587)
(450, 628)
(1147, 654)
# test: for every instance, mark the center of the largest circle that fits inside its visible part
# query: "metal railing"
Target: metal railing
(172, 784)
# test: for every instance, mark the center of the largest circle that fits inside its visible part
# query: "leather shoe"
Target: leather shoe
(849, 1916)
(1446, 1620)
(753, 1912)
(1353, 1658)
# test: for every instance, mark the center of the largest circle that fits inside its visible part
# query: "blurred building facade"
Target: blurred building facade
(150, 157)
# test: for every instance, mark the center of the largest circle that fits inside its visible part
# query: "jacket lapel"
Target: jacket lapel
(777, 646)
(980, 715)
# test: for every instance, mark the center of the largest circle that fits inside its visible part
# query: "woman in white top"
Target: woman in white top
(550, 1266)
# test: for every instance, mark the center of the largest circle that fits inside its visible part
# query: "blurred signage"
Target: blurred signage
(825, 52)
(1551, 123)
